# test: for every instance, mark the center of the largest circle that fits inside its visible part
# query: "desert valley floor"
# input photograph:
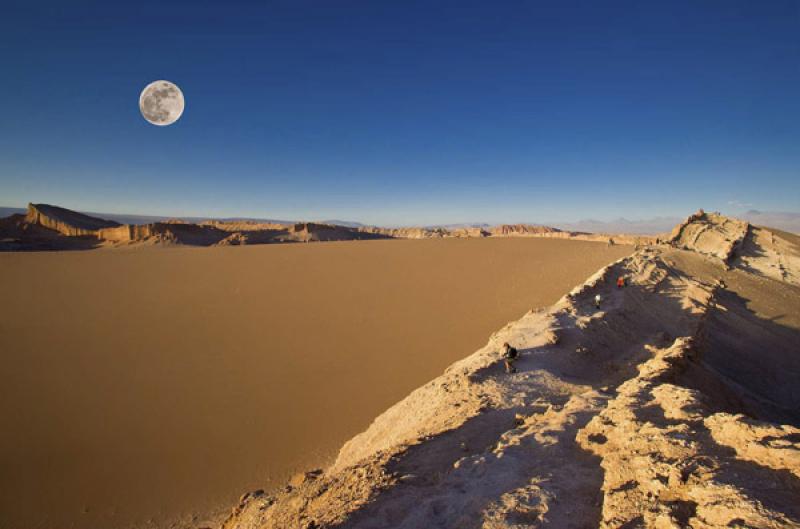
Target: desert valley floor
(139, 385)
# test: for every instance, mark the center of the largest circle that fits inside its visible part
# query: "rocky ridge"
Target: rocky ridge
(671, 405)
(65, 221)
(64, 229)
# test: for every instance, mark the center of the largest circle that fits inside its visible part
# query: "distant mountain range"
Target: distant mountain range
(774, 219)
(622, 225)
(5, 212)
(345, 223)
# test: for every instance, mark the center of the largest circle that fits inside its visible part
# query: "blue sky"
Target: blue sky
(404, 112)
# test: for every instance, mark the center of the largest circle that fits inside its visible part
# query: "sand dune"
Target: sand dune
(160, 383)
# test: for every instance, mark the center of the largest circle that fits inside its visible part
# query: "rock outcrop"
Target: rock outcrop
(710, 234)
(65, 221)
(770, 253)
(511, 230)
(164, 232)
(670, 461)
(672, 404)
(244, 225)
(309, 231)
(17, 234)
(69, 223)
(406, 233)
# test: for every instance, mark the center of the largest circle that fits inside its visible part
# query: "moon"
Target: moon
(161, 103)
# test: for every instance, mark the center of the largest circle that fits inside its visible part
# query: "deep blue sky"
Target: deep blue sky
(404, 112)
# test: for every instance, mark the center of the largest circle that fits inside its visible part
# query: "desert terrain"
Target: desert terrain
(400, 265)
(670, 403)
(151, 386)
(148, 383)
(48, 227)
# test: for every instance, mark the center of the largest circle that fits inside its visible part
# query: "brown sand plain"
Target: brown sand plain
(138, 386)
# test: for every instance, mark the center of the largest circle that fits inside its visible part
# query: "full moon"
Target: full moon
(161, 103)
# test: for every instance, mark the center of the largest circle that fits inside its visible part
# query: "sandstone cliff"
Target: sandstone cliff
(406, 233)
(673, 404)
(521, 230)
(309, 231)
(17, 234)
(69, 223)
(65, 221)
(243, 225)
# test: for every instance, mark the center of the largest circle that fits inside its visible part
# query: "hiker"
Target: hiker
(620, 281)
(510, 356)
(597, 301)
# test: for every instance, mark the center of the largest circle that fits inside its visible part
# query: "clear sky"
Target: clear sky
(404, 112)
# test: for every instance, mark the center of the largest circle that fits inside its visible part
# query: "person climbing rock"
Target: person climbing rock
(510, 355)
(597, 300)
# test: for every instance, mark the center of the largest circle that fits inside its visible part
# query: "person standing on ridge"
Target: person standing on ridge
(510, 355)
(620, 281)
(597, 300)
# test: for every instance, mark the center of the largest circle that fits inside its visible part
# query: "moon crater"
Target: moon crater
(161, 103)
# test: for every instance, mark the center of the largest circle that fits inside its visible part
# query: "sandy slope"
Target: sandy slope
(673, 405)
(159, 383)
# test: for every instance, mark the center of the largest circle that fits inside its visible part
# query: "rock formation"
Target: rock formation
(65, 221)
(406, 233)
(100, 232)
(164, 232)
(521, 230)
(674, 404)
(309, 231)
(17, 234)
(710, 234)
